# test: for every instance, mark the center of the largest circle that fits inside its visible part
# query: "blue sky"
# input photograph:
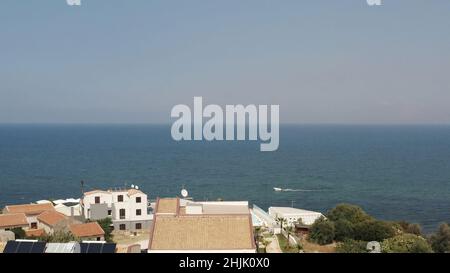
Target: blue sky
(132, 61)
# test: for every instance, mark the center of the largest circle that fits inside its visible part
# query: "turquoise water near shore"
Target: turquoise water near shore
(393, 172)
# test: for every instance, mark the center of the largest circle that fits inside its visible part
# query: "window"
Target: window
(138, 226)
(97, 200)
(109, 212)
(138, 212)
(34, 225)
(98, 238)
(138, 200)
(120, 198)
(122, 213)
(122, 227)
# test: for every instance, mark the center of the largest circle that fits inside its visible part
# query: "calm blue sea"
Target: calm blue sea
(393, 172)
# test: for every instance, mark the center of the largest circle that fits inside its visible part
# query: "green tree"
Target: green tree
(289, 231)
(373, 230)
(19, 233)
(440, 241)
(350, 213)
(406, 243)
(281, 221)
(344, 229)
(352, 246)
(105, 224)
(322, 231)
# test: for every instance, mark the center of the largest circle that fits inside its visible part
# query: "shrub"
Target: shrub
(406, 243)
(440, 241)
(406, 227)
(373, 230)
(59, 237)
(344, 230)
(322, 231)
(19, 233)
(352, 246)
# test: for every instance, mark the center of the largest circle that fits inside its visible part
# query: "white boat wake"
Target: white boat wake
(291, 190)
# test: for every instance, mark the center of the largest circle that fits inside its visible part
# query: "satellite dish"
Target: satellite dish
(132, 186)
(136, 187)
(184, 193)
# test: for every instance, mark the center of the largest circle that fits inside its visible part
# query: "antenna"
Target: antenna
(292, 203)
(82, 187)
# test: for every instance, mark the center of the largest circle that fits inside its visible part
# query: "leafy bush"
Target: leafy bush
(19, 233)
(440, 241)
(59, 237)
(406, 243)
(322, 231)
(406, 227)
(352, 246)
(344, 230)
(373, 230)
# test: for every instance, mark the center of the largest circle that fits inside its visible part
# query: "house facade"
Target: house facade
(13, 220)
(91, 231)
(31, 212)
(127, 208)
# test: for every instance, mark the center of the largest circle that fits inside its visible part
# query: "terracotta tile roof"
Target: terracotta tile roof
(34, 232)
(205, 232)
(13, 220)
(51, 218)
(91, 229)
(167, 205)
(29, 209)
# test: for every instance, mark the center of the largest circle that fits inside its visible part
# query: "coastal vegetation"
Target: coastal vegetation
(440, 241)
(352, 228)
(106, 224)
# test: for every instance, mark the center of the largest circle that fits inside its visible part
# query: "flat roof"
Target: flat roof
(289, 210)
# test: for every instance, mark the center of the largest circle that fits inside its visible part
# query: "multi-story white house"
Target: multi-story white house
(127, 208)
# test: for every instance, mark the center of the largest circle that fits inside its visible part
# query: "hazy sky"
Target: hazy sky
(132, 61)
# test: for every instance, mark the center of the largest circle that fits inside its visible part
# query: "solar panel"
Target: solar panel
(24, 247)
(109, 248)
(84, 248)
(38, 247)
(11, 247)
(98, 248)
(95, 248)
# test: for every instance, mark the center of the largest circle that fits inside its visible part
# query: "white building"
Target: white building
(265, 219)
(292, 215)
(127, 208)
